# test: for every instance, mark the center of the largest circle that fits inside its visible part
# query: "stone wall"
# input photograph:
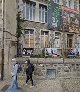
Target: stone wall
(55, 68)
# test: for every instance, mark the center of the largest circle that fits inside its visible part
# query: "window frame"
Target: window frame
(43, 9)
(44, 30)
(30, 6)
(29, 34)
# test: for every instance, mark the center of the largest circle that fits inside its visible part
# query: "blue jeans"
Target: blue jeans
(14, 84)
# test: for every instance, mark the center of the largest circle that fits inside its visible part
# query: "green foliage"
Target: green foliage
(42, 55)
(19, 27)
(19, 30)
(43, 52)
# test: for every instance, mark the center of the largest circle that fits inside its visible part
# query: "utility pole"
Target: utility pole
(2, 62)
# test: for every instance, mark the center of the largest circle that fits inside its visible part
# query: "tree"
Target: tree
(19, 30)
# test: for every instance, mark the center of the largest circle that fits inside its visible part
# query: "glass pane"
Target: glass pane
(26, 32)
(42, 15)
(45, 16)
(33, 13)
(46, 33)
(39, 15)
(30, 13)
(57, 1)
(31, 32)
(70, 43)
(27, 45)
(42, 32)
(31, 45)
(27, 11)
(31, 37)
(23, 11)
(31, 41)
(27, 36)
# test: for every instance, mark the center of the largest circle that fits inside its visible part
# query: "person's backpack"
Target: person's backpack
(32, 67)
(19, 68)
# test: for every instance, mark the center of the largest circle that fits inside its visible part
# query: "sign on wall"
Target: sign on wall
(51, 51)
(28, 51)
(55, 20)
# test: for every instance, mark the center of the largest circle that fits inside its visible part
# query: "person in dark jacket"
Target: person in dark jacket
(29, 71)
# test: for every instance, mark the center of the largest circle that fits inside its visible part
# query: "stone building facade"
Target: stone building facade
(10, 11)
(0, 30)
(36, 31)
(37, 34)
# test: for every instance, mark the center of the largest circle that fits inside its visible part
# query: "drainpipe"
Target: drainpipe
(2, 62)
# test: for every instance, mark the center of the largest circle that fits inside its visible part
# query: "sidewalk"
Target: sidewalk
(44, 86)
(4, 84)
(39, 85)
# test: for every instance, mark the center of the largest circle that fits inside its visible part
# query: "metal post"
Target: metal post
(2, 62)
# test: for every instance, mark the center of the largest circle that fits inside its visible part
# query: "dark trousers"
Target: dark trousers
(29, 77)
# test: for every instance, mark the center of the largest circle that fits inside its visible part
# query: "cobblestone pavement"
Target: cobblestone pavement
(43, 86)
(39, 85)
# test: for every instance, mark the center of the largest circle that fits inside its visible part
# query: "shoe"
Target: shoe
(26, 84)
(18, 88)
(31, 86)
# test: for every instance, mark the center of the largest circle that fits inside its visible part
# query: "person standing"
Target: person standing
(29, 72)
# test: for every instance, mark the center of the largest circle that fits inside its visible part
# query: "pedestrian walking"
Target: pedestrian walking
(29, 72)
(15, 75)
(14, 83)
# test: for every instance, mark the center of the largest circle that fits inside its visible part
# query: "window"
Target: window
(57, 42)
(69, 40)
(44, 39)
(69, 3)
(76, 5)
(29, 35)
(42, 13)
(56, 1)
(29, 11)
(70, 43)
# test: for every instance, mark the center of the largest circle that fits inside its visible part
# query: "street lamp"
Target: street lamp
(2, 62)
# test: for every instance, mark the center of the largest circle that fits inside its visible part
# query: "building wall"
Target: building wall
(0, 31)
(38, 26)
(71, 11)
(10, 32)
(10, 11)
(0, 15)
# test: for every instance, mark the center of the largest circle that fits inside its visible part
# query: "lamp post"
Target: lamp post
(2, 61)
